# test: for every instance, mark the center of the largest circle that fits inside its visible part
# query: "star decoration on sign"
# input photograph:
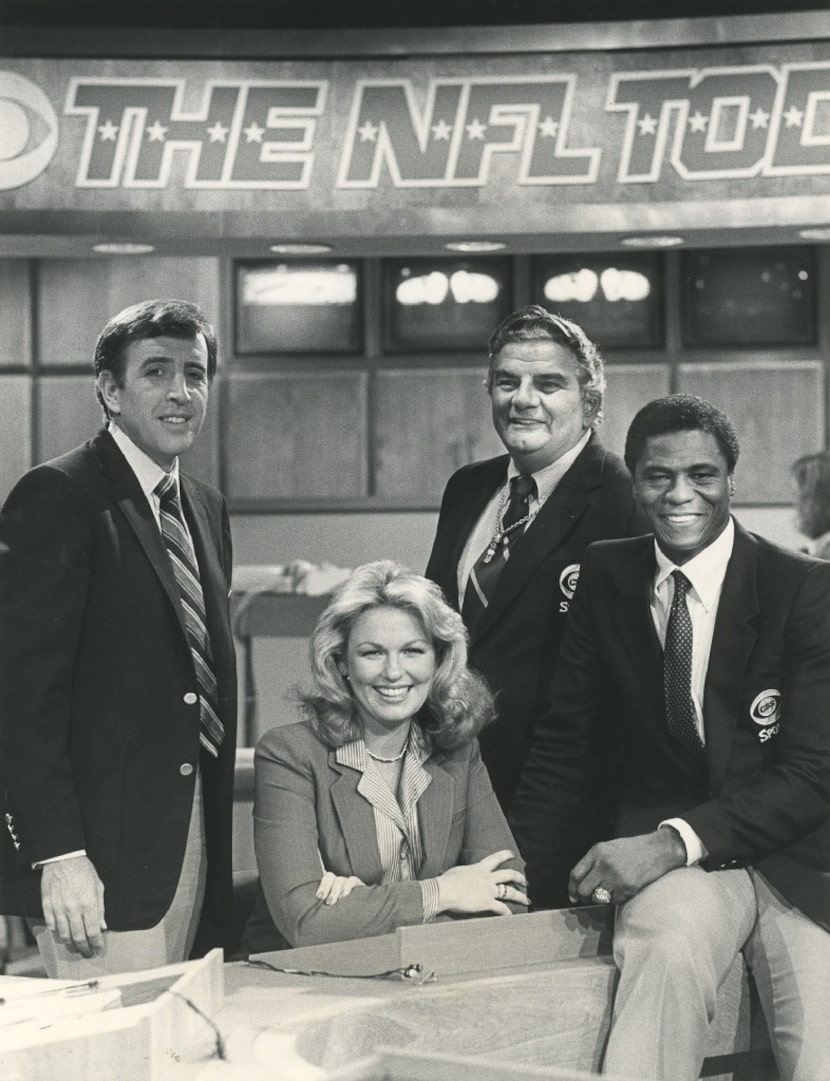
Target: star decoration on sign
(476, 130)
(217, 133)
(794, 117)
(698, 122)
(441, 131)
(108, 131)
(156, 132)
(647, 125)
(368, 132)
(548, 128)
(254, 133)
(759, 119)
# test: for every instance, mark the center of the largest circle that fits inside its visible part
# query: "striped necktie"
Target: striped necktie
(484, 577)
(681, 718)
(186, 570)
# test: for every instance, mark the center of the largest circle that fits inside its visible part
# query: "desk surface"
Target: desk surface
(307, 1028)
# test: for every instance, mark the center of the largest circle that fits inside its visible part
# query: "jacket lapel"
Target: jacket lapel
(135, 508)
(485, 482)
(564, 507)
(435, 809)
(634, 626)
(357, 821)
(734, 638)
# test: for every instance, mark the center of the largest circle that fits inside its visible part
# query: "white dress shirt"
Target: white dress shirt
(706, 572)
(485, 528)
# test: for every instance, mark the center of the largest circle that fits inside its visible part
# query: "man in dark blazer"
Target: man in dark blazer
(546, 382)
(118, 798)
(699, 659)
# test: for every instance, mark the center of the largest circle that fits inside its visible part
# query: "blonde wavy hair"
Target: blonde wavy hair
(459, 703)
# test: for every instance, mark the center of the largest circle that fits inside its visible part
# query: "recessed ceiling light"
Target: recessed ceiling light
(651, 241)
(820, 232)
(123, 248)
(475, 245)
(300, 249)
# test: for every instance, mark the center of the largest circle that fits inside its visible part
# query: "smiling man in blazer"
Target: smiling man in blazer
(117, 674)
(512, 530)
(699, 660)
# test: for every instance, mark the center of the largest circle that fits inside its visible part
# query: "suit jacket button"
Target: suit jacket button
(191, 698)
(185, 769)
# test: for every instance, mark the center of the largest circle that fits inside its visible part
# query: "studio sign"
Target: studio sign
(711, 123)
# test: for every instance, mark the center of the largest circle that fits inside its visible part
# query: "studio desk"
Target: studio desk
(487, 999)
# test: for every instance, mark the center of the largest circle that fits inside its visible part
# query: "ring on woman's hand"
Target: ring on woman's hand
(601, 896)
(501, 891)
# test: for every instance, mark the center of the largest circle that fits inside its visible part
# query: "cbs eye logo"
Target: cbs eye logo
(28, 131)
(568, 580)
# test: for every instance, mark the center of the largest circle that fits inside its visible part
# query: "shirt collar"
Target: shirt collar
(353, 754)
(706, 571)
(548, 478)
(148, 473)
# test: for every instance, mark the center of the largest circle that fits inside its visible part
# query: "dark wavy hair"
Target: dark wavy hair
(680, 413)
(459, 703)
(150, 319)
(812, 475)
(532, 323)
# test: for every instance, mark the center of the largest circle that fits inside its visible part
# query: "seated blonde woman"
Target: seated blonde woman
(375, 811)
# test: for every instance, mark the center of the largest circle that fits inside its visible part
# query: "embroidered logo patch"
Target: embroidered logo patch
(568, 579)
(766, 707)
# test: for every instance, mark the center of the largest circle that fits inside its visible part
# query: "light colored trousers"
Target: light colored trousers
(168, 942)
(675, 941)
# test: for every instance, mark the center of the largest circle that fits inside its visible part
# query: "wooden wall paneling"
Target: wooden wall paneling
(15, 429)
(428, 424)
(628, 388)
(78, 296)
(69, 413)
(16, 308)
(778, 412)
(295, 435)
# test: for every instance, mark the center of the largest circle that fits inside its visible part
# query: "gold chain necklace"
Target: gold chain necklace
(501, 532)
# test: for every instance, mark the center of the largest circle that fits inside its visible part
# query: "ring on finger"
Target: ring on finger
(501, 891)
(601, 896)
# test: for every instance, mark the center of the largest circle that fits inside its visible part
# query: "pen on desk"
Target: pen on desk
(72, 989)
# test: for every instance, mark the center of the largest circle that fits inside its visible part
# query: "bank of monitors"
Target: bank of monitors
(749, 297)
(299, 307)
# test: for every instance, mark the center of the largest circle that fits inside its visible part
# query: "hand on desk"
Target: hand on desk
(73, 904)
(624, 866)
(477, 887)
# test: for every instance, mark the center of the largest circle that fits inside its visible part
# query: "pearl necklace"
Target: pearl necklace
(397, 757)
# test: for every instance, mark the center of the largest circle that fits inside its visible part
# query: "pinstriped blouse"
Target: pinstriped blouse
(396, 820)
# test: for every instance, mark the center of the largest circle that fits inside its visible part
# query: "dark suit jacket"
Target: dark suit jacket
(763, 797)
(307, 802)
(518, 642)
(94, 670)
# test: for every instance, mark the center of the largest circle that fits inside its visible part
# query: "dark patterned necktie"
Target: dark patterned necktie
(681, 718)
(186, 570)
(484, 576)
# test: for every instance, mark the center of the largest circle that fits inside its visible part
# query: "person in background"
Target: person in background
(512, 530)
(701, 657)
(812, 477)
(117, 671)
(374, 811)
